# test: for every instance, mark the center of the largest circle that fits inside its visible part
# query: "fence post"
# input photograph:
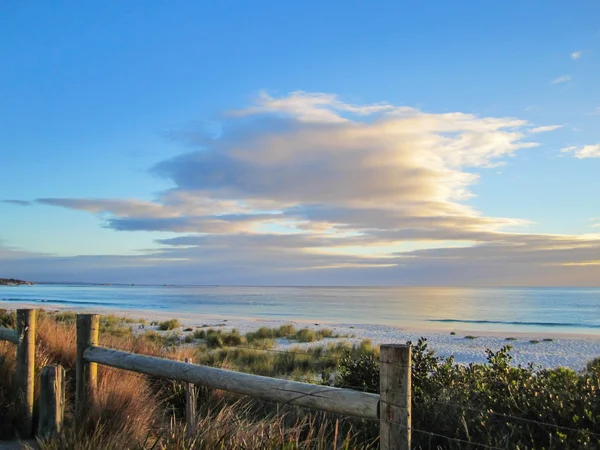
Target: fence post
(190, 406)
(86, 373)
(26, 368)
(52, 400)
(395, 397)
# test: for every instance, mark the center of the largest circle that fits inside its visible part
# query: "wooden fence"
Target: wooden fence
(24, 338)
(392, 407)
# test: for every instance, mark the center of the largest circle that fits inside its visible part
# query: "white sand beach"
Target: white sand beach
(560, 349)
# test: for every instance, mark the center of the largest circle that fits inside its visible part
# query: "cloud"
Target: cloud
(17, 202)
(595, 112)
(544, 129)
(587, 151)
(296, 186)
(561, 79)
(576, 55)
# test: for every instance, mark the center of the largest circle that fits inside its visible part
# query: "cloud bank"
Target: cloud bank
(308, 189)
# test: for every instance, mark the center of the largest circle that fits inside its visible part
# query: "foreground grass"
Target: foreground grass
(133, 411)
(479, 403)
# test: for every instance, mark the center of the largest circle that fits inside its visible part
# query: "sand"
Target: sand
(566, 350)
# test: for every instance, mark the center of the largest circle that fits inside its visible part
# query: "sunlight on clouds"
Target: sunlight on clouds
(308, 182)
(587, 151)
(561, 79)
(545, 129)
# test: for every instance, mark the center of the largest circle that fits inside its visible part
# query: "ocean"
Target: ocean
(538, 309)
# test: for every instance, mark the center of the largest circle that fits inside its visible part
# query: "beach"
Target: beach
(544, 349)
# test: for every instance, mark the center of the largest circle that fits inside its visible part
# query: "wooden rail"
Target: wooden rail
(6, 334)
(326, 398)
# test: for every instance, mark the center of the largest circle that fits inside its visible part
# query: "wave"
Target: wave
(50, 301)
(501, 322)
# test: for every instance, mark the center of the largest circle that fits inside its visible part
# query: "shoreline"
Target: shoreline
(197, 319)
(561, 349)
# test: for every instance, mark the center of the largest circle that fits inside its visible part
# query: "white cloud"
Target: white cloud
(306, 182)
(587, 151)
(576, 55)
(544, 129)
(595, 112)
(561, 79)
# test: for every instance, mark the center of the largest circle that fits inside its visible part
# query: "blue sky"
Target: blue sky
(248, 131)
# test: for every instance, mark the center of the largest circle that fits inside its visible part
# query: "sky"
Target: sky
(301, 143)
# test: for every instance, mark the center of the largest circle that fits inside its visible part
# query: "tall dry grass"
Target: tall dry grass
(133, 411)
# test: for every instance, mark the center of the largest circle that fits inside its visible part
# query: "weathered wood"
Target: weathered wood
(52, 401)
(326, 398)
(190, 406)
(26, 369)
(6, 334)
(86, 373)
(395, 391)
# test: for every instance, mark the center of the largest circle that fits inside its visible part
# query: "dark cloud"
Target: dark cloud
(17, 202)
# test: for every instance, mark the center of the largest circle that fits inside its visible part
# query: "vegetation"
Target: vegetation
(495, 404)
(12, 282)
(169, 325)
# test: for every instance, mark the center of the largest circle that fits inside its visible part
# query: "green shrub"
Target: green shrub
(233, 338)
(8, 319)
(68, 317)
(326, 333)
(470, 337)
(168, 325)
(511, 339)
(463, 401)
(534, 341)
(286, 330)
(305, 335)
(214, 340)
(199, 334)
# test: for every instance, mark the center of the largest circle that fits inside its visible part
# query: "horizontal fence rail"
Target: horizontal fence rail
(336, 400)
(6, 334)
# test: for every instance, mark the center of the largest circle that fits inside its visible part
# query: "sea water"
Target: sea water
(571, 310)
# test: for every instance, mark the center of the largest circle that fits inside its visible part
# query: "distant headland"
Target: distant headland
(13, 282)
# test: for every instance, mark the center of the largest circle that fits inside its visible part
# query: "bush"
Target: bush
(168, 325)
(67, 317)
(233, 338)
(472, 402)
(286, 330)
(8, 319)
(306, 335)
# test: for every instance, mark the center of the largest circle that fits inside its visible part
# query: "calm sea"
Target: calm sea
(573, 310)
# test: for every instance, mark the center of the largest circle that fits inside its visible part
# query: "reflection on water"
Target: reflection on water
(575, 310)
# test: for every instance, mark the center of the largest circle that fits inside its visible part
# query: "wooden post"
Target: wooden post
(190, 406)
(52, 401)
(86, 373)
(26, 369)
(395, 397)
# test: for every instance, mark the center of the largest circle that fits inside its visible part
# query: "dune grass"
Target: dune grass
(134, 411)
(140, 412)
(168, 325)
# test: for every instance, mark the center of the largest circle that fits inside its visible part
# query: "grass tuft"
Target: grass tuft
(169, 325)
